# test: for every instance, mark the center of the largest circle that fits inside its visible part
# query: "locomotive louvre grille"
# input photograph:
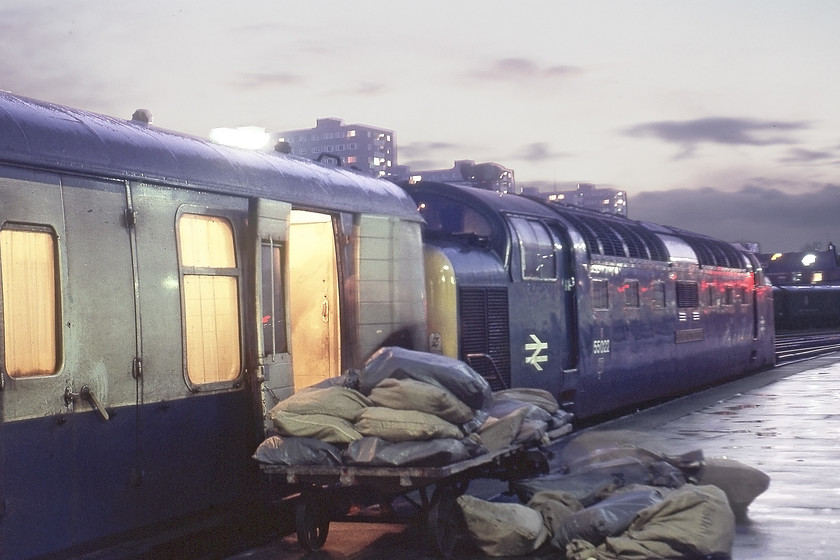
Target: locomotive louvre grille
(485, 333)
(711, 252)
(688, 295)
(617, 238)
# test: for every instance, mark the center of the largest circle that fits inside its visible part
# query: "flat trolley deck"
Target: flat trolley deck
(320, 487)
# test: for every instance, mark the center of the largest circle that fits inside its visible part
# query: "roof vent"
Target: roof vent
(143, 116)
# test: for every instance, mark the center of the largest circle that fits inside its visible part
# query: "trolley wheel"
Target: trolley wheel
(444, 520)
(312, 522)
(528, 464)
(536, 462)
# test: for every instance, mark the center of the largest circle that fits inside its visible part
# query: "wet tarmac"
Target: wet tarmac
(785, 422)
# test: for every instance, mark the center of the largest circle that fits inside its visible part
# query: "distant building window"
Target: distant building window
(631, 293)
(352, 146)
(29, 272)
(688, 294)
(351, 133)
(351, 159)
(210, 291)
(600, 294)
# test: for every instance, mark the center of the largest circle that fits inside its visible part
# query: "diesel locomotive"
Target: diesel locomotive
(158, 293)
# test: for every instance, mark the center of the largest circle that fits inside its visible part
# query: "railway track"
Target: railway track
(794, 346)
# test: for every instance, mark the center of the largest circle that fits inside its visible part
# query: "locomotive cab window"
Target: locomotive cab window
(537, 250)
(210, 298)
(28, 272)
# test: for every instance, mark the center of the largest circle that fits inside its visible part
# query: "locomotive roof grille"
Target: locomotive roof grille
(618, 239)
(711, 252)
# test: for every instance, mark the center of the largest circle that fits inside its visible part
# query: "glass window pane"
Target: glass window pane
(211, 308)
(206, 241)
(29, 302)
(273, 300)
(537, 246)
(600, 294)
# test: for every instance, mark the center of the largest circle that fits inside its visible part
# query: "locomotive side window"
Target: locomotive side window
(537, 249)
(600, 294)
(631, 293)
(210, 294)
(28, 271)
(273, 299)
(658, 289)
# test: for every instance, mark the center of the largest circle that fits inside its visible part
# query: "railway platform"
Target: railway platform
(784, 421)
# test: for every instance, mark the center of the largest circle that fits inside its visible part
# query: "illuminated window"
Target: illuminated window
(30, 301)
(210, 288)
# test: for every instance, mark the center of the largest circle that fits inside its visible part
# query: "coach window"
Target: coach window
(28, 273)
(210, 291)
(537, 249)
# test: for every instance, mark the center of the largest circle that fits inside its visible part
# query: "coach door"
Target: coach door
(313, 297)
(272, 219)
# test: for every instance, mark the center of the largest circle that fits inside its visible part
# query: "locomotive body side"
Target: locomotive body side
(606, 314)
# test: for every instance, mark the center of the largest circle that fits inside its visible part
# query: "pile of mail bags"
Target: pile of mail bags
(620, 502)
(405, 408)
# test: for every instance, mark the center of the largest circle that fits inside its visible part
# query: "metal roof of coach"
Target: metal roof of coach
(43, 135)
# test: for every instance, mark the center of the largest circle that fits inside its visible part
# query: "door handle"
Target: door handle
(87, 394)
(325, 311)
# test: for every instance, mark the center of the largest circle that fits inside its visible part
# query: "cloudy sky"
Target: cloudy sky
(719, 116)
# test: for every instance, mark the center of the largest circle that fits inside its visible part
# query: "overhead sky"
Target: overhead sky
(719, 116)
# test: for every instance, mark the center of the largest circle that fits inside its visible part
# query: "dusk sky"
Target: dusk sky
(721, 117)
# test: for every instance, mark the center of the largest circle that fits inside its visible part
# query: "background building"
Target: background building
(490, 176)
(606, 200)
(369, 149)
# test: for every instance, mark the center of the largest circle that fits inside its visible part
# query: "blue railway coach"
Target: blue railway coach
(604, 312)
(156, 286)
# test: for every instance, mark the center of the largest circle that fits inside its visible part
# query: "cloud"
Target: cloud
(718, 130)
(538, 151)
(765, 212)
(799, 155)
(267, 79)
(508, 69)
(417, 150)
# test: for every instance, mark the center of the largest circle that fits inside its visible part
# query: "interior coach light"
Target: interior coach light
(809, 259)
(776, 256)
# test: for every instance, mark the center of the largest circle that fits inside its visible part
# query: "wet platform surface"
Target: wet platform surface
(785, 422)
